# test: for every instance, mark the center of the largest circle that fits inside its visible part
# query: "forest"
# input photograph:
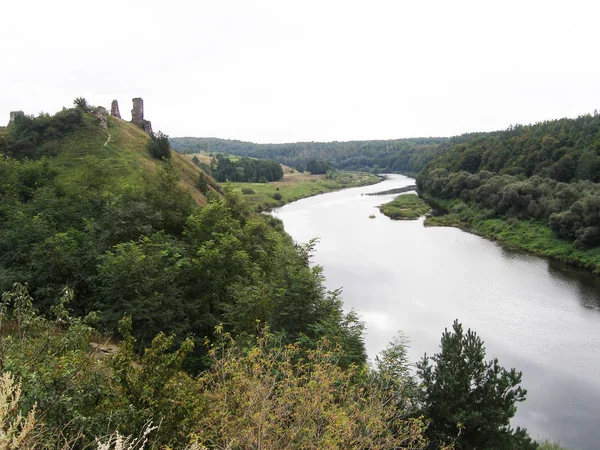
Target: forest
(407, 156)
(140, 311)
(247, 170)
(538, 176)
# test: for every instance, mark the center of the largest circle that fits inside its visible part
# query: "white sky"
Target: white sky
(284, 71)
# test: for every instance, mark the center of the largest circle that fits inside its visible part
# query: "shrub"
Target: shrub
(248, 191)
(82, 104)
(159, 146)
(202, 183)
(277, 196)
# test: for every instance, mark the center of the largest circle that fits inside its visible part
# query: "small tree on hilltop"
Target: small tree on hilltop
(461, 391)
(82, 104)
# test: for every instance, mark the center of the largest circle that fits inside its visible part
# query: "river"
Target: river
(533, 314)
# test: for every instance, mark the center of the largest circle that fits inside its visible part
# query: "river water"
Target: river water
(534, 315)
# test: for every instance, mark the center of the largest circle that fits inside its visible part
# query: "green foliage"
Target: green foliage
(318, 166)
(247, 170)
(202, 183)
(277, 196)
(296, 186)
(469, 399)
(401, 155)
(81, 103)
(273, 396)
(405, 207)
(32, 138)
(542, 172)
(159, 146)
(248, 191)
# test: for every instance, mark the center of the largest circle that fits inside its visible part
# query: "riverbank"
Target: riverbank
(531, 236)
(386, 267)
(295, 186)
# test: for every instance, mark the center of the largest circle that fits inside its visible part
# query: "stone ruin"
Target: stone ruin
(137, 116)
(14, 115)
(114, 109)
(100, 113)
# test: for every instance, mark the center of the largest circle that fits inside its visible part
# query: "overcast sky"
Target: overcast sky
(283, 71)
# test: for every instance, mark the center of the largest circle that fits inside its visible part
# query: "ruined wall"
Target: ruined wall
(14, 114)
(100, 113)
(114, 109)
(137, 113)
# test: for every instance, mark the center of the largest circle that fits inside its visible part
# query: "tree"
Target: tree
(469, 399)
(82, 104)
(202, 183)
(159, 146)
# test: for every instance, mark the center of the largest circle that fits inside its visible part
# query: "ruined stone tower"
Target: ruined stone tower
(137, 115)
(14, 114)
(114, 109)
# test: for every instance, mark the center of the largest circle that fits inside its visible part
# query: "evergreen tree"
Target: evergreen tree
(469, 399)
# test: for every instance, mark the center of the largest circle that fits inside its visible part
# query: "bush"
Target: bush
(277, 196)
(82, 104)
(159, 146)
(202, 183)
(248, 191)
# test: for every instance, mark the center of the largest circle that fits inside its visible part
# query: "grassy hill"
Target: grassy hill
(116, 156)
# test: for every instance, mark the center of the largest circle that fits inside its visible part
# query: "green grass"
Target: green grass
(532, 236)
(295, 186)
(83, 159)
(405, 207)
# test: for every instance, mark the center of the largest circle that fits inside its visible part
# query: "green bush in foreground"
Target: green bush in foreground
(259, 394)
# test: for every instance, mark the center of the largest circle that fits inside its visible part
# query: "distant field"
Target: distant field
(293, 186)
(296, 185)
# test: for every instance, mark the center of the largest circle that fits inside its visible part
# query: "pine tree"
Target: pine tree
(469, 399)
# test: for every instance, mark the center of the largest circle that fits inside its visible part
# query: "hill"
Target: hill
(408, 156)
(89, 208)
(81, 151)
(534, 187)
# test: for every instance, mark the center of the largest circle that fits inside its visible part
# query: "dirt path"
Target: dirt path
(108, 140)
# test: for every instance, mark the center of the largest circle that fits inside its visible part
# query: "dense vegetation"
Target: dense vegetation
(247, 170)
(407, 156)
(543, 175)
(75, 387)
(405, 207)
(149, 251)
(153, 310)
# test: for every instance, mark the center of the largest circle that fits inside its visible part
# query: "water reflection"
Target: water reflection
(535, 315)
(587, 284)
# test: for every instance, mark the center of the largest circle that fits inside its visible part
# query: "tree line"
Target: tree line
(247, 170)
(546, 172)
(401, 155)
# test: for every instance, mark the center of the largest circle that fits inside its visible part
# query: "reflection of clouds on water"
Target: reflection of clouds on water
(402, 276)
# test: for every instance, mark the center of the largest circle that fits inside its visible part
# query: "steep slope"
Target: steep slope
(116, 156)
(87, 209)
